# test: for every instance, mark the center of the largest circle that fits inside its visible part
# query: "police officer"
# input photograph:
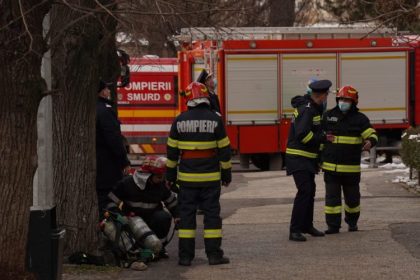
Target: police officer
(210, 82)
(305, 137)
(351, 132)
(143, 194)
(199, 160)
(111, 156)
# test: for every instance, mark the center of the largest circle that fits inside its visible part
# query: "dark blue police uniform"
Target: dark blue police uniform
(305, 137)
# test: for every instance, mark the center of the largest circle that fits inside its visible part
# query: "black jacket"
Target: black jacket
(305, 136)
(111, 155)
(214, 102)
(140, 196)
(199, 128)
(351, 129)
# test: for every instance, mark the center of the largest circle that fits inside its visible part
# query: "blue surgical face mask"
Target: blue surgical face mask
(344, 106)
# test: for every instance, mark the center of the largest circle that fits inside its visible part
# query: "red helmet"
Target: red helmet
(196, 90)
(154, 165)
(348, 92)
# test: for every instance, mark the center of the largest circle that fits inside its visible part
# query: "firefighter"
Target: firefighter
(305, 137)
(351, 132)
(199, 160)
(211, 83)
(142, 195)
(111, 155)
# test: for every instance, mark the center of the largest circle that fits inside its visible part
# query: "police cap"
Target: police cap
(320, 86)
(103, 84)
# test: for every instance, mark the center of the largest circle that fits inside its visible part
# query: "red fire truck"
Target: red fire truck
(148, 104)
(259, 70)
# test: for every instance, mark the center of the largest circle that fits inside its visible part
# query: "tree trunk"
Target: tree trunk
(418, 177)
(21, 88)
(80, 57)
(282, 12)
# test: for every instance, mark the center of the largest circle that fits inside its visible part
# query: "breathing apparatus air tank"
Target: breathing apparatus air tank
(144, 235)
(125, 242)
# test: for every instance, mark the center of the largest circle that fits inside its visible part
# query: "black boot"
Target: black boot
(163, 254)
(314, 232)
(184, 262)
(186, 251)
(353, 228)
(218, 260)
(297, 236)
(332, 231)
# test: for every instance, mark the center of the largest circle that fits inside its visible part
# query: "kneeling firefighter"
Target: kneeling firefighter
(141, 196)
(351, 132)
(198, 144)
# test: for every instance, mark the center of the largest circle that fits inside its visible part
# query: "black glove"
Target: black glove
(226, 176)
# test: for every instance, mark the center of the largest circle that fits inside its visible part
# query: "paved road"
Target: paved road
(256, 210)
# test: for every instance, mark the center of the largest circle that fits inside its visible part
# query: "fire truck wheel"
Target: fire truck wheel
(261, 161)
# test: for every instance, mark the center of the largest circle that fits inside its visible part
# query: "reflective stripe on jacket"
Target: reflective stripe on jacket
(350, 131)
(199, 128)
(305, 136)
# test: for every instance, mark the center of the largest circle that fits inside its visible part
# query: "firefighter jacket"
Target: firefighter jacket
(350, 131)
(111, 155)
(198, 149)
(305, 136)
(141, 196)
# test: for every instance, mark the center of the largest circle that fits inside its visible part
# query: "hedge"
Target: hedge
(410, 152)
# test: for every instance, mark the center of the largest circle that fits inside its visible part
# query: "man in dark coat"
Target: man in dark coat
(211, 84)
(302, 161)
(111, 156)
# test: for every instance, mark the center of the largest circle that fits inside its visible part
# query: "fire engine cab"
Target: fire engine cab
(259, 70)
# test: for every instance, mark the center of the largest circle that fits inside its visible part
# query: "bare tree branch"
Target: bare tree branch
(25, 23)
